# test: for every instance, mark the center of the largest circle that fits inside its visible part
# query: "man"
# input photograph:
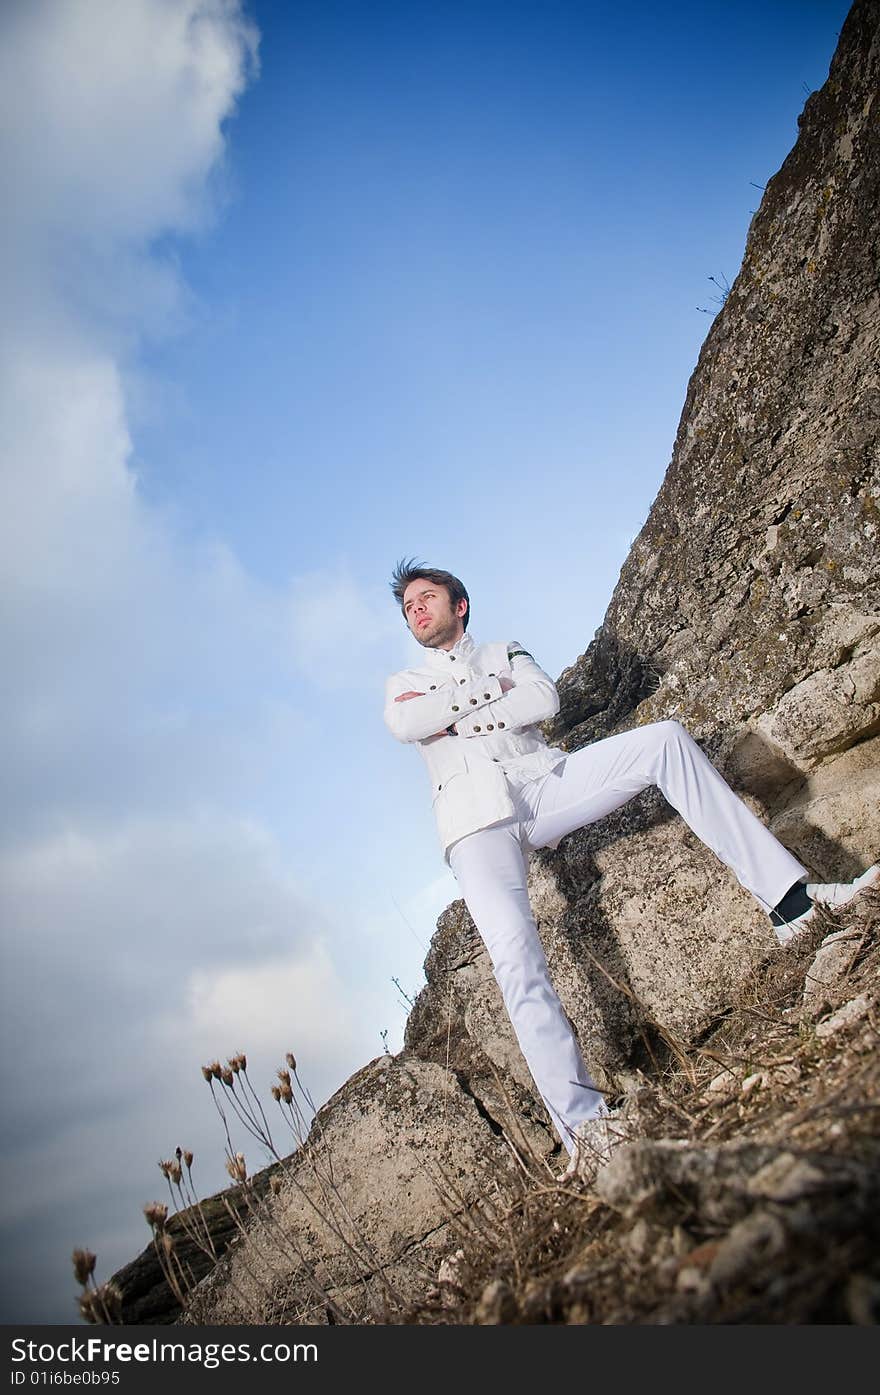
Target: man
(499, 792)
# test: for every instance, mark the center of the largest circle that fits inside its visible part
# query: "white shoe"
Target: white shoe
(595, 1140)
(830, 895)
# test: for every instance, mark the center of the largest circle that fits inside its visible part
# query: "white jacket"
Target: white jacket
(495, 737)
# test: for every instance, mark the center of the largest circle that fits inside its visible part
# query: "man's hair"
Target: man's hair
(408, 569)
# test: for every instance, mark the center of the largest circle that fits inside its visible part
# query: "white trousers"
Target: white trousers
(490, 867)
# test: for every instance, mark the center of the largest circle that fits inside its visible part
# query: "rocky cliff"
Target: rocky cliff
(749, 610)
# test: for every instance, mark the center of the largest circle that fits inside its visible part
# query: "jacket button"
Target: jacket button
(473, 702)
(487, 696)
(439, 787)
(495, 758)
(454, 708)
(452, 658)
(489, 726)
(491, 675)
(461, 680)
(478, 728)
(500, 724)
(433, 687)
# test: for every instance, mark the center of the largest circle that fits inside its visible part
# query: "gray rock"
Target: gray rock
(834, 958)
(748, 1244)
(365, 1210)
(497, 1304)
(786, 1178)
(845, 1017)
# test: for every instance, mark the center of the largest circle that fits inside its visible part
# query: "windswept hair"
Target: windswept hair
(408, 569)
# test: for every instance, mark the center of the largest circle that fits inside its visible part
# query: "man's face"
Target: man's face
(434, 621)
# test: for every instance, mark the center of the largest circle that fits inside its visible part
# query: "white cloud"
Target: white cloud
(332, 617)
(279, 1004)
(110, 929)
(113, 112)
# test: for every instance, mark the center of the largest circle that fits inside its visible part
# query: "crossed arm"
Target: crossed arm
(506, 685)
(497, 704)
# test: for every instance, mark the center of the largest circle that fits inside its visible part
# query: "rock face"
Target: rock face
(359, 1217)
(749, 610)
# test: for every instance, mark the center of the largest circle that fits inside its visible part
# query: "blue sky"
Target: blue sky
(292, 290)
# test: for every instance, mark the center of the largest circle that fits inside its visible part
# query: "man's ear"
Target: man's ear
(461, 608)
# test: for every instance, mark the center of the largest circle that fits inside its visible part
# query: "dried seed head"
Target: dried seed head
(83, 1265)
(96, 1305)
(216, 1069)
(242, 1060)
(176, 1173)
(276, 1094)
(237, 1168)
(283, 1076)
(228, 1078)
(156, 1213)
(208, 1072)
(187, 1158)
(86, 1305)
(287, 1094)
(166, 1166)
(291, 1060)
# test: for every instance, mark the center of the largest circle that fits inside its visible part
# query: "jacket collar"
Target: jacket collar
(441, 658)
